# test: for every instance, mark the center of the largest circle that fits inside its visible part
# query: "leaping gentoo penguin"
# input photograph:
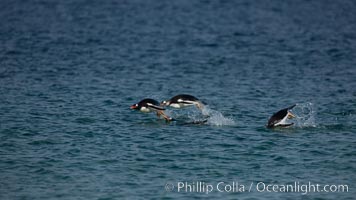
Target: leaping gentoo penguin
(183, 100)
(151, 105)
(279, 118)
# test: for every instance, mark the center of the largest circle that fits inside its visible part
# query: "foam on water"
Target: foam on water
(304, 115)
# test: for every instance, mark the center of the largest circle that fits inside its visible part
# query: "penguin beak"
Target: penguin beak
(290, 115)
(133, 106)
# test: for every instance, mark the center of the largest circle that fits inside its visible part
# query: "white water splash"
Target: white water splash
(305, 115)
(213, 117)
(216, 118)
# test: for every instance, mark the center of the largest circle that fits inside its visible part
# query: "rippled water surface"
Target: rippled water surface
(69, 70)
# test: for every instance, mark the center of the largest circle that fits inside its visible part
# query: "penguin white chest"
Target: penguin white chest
(145, 109)
(180, 105)
(283, 121)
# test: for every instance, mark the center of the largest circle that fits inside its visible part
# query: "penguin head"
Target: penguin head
(134, 106)
(165, 103)
(290, 115)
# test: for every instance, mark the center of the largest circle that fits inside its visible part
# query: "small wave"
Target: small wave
(305, 115)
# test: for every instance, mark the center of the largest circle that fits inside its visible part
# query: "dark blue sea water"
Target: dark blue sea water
(69, 70)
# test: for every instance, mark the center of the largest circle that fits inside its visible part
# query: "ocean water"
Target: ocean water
(69, 70)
